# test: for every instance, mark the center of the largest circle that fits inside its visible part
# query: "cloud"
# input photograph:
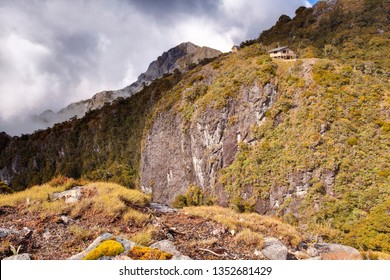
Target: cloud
(61, 51)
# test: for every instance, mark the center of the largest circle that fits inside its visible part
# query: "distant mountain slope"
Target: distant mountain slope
(180, 57)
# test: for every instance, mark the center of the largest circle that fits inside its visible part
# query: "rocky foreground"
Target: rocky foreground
(73, 227)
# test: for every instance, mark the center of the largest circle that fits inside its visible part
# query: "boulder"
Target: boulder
(337, 252)
(21, 257)
(162, 208)
(274, 249)
(6, 231)
(169, 247)
(71, 196)
(127, 245)
(312, 252)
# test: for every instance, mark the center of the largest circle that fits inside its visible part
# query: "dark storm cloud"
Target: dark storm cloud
(56, 52)
(169, 8)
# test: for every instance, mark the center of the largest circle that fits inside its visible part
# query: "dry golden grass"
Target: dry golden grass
(80, 234)
(250, 238)
(263, 225)
(29, 196)
(108, 199)
(136, 216)
(247, 237)
(144, 237)
(372, 255)
(338, 256)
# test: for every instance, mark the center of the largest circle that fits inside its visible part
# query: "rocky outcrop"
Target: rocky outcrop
(274, 249)
(179, 57)
(70, 196)
(177, 154)
(127, 245)
(163, 245)
(328, 251)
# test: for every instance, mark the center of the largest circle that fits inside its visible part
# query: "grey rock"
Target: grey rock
(64, 219)
(179, 153)
(71, 196)
(21, 257)
(219, 231)
(6, 231)
(169, 247)
(127, 245)
(337, 252)
(274, 249)
(312, 252)
(162, 208)
(92, 246)
(46, 235)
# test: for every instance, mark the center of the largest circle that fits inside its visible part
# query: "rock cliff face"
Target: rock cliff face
(177, 154)
(179, 57)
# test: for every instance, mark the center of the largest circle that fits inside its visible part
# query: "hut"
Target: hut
(283, 53)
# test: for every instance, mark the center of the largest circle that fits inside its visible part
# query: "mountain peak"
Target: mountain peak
(179, 57)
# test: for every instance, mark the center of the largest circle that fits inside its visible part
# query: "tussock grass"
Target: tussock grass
(259, 224)
(31, 195)
(373, 255)
(136, 216)
(80, 234)
(249, 238)
(108, 199)
(144, 237)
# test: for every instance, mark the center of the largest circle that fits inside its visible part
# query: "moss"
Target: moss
(146, 253)
(106, 248)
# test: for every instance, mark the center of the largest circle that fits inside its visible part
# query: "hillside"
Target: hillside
(307, 141)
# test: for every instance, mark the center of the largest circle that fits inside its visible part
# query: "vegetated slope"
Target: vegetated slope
(306, 140)
(104, 145)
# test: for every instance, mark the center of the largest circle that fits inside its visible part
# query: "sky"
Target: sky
(56, 52)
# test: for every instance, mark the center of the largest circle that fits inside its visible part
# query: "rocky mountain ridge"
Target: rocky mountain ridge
(180, 57)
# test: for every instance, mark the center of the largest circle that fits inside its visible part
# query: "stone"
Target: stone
(21, 257)
(127, 245)
(258, 253)
(169, 247)
(71, 196)
(219, 231)
(337, 252)
(46, 235)
(64, 219)
(92, 246)
(162, 208)
(274, 249)
(312, 252)
(6, 231)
